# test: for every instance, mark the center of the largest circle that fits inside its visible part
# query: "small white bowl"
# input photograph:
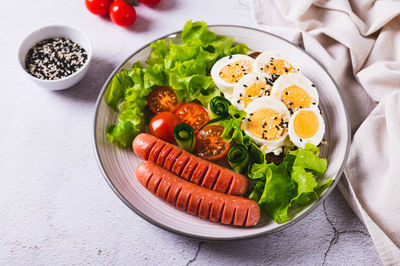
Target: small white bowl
(52, 32)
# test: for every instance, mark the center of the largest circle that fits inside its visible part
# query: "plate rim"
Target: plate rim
(196, 236)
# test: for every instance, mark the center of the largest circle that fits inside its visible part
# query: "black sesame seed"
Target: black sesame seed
(249, 95)
(301, 140)
(233, 76)
(274, 68)
(313, 85)
(287, 93)
(220, 72)
(238, 101)
(261, 68)
(286, 70)
(244, 85)
(248, 119)
(277, 127)
(230, 57)
(256, 78)
(240, 94)
(237, 64)
(228, 65)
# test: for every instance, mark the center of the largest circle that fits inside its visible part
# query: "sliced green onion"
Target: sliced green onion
(238, 158)
(184, 136)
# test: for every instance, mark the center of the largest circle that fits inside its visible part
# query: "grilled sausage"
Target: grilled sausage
(197, 200)
(189, 166)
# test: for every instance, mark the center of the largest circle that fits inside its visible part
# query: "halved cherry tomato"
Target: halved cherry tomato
(193, 114)
(209, 143)
(162, 126)
(163, 99)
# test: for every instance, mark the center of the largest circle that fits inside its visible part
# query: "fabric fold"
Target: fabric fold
(358, 42)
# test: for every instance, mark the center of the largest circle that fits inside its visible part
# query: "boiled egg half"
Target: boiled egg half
(306, 126)
(273, 64)
(249, 88)
(266, 123)
(227, 71)
(296, 91)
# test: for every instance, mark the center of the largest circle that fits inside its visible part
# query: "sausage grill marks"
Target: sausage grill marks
(197, 200)
(188, 166)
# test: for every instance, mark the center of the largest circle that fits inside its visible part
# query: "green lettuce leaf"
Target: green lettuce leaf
(308, 159)
(197, 33)
(116, 88)
(291, 186)
(240, 48)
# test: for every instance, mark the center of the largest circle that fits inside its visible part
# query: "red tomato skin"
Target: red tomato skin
(98, 7)
(198, 118)
(150, 2)
(122, 13)
(162, 126)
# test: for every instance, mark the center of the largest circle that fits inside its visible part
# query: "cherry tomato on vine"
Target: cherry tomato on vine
(98, 7)
(150, 2)
(162, 126)
(122, 13)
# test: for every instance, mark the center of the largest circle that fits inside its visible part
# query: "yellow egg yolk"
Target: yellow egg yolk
(266, 123)
(231, 73)
(295, 98)
(255, 90)
(305, 124)
(278, 66)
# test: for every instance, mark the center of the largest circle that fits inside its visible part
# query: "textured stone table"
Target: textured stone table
(56, 208)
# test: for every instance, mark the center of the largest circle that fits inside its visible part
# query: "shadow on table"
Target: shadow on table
(89, 88)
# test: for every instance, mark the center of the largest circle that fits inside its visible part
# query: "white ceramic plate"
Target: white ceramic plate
(118, 165)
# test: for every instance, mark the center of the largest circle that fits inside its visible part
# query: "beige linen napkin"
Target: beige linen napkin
(358, 41)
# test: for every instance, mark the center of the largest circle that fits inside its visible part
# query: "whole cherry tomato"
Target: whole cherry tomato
(162, 126)
(150, 2)
(98, 7)
(122, 13)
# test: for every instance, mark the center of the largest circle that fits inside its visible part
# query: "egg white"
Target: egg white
(268, 146)
(226, 87)
(299, 80)
(240, 88)
(316, 138)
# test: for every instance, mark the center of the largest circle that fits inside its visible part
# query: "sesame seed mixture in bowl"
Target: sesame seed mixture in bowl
(55, 58)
